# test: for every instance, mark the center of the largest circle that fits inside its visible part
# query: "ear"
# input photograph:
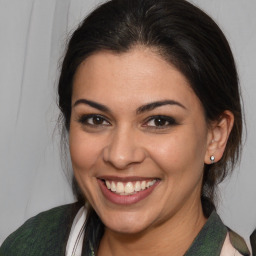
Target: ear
(218, 135)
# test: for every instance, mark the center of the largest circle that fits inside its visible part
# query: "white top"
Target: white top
(75, 240)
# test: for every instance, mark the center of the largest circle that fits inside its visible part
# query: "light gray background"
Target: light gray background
(32, 39)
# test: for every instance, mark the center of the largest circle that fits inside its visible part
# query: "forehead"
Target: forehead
(141, 74)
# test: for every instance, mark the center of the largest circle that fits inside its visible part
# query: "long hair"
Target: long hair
(184, 36)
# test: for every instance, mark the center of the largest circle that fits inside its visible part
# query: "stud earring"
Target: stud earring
(212, 158)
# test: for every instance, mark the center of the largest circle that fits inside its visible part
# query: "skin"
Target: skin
(126, 143)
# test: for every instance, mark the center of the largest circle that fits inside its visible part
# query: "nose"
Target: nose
(124, 150)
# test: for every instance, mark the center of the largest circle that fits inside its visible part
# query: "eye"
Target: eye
(93, 120)
(160, 122)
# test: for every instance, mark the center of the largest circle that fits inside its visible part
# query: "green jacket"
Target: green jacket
(47, 234)
(43, 235)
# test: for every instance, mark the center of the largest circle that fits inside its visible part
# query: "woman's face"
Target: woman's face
(138, 139)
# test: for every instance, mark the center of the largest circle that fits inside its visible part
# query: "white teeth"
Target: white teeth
(108, 184)
(113, 186)
(120, 187)
(137, 186)
(143, 184)
(128, 188)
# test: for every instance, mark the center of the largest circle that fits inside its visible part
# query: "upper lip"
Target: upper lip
(125, 179)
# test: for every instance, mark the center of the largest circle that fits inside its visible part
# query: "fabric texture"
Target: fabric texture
(204, 244)
(238, 242)
(43, 235)
(228, 249)
(75, 241)
(47, 234)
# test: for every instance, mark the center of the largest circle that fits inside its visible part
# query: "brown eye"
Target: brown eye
(160, 122)
(93, 120)
(97, 120)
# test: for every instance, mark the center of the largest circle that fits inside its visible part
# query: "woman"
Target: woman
(150, 101)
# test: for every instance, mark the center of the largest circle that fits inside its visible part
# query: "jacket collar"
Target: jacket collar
(210, 239)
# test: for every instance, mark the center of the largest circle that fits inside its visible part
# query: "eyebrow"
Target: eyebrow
(140, 110)
(156, 104)
(92, 104)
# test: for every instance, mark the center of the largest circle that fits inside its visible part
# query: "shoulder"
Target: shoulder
(44, 234)
(234, 245)
(215, 238)
(238, 243)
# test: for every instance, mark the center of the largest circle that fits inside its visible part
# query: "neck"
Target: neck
(171, 237)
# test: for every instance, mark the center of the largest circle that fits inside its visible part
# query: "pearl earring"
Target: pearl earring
(212, 158)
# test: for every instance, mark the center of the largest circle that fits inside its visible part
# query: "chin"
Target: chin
(126, 223)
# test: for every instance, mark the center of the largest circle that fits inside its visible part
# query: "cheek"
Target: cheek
(179, 152)
(84, 150)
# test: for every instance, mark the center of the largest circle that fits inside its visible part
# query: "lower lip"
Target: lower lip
(125, 199)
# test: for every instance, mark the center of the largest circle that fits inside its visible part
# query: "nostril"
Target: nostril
(123, 152)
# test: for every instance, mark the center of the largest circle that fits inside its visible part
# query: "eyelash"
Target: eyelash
(84, 120)
(167, 121)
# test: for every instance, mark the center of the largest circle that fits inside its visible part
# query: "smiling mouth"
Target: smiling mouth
(128, 188)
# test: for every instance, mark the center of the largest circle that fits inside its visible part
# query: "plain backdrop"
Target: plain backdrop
(33, 35)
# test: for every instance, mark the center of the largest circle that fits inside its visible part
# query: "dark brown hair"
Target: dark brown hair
(184, 36)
